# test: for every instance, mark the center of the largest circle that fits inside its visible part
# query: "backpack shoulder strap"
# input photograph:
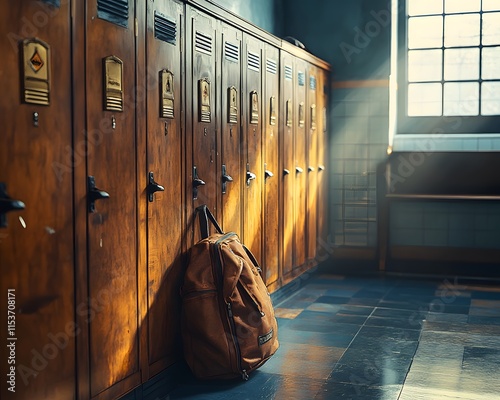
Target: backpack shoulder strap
(205, 216)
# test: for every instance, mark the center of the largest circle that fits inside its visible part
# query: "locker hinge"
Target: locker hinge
(136, 27)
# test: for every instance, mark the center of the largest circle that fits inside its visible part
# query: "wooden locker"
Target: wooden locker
(300, 167)
(36, 202)
(202, 146)
(287, 163)
(111, 315)
(312, 161)
(271, 121)
(322, 129)
(252, 145)
(231, 175)
(162, 182)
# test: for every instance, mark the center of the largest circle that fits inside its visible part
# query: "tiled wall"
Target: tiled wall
(465, 224)
(359, 140)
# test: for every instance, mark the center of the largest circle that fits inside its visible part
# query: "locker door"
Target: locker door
(203, 177)
(252, 122)
(36, 198)
(271, 122)
(287, 172)
(300, 170)
(112, 224)
(162, 181)
(231, 179)
(312, 161)
(322, 129)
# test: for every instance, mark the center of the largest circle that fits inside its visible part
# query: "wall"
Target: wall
(354, 37)
(263, 13)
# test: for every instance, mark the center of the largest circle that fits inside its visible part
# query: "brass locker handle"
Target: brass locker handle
(321, 167)
(153, 187)
(268, 174)
(310, 169)
(298, 170)
(94, 194)
(7, 204)
(286, 172)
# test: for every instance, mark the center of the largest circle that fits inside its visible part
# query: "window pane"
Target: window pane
(425, 32)
(425, 65)
(460, 6)
(491, 28)
(491, 63)
(424, 7)
(461, 98)
(491, 5)
(424, 99)
(461, 64)
(490, 98)
(461, 30)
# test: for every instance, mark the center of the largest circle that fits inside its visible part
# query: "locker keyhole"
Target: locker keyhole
(35, 119)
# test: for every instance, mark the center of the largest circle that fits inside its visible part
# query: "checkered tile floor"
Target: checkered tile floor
(391, 339)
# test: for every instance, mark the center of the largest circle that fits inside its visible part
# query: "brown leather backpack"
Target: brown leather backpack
(228, 323)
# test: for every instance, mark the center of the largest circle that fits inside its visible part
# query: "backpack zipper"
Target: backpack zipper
(219, 274)
(244, 374)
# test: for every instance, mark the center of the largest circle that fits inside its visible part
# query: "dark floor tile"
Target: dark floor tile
(303, 360)
(485, 295)
(477, 320)
(403, 323)
(384, 345)
(332, 300)
(395, 313)
(336, 390)
(370, 294)
(334, 339)
(481, 358)
(395, 333)
(364, 301)
(368, 373)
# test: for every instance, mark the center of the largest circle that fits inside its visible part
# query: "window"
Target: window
(449, 66)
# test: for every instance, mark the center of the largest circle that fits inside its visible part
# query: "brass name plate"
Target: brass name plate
(272, 111)
(313, 117)
(289, 113)
(301, 115)
(36, 72)
(232, 105)
(254, 104)
(113, 83)
(205, 114)
(166, 94)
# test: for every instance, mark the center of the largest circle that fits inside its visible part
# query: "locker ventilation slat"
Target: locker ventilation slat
(203, 43)
(288, 73)
(232, 52)
(115, 11)
(302, 78)
(165, 28)
(253, 61)
(312, 82)
(271, 66)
